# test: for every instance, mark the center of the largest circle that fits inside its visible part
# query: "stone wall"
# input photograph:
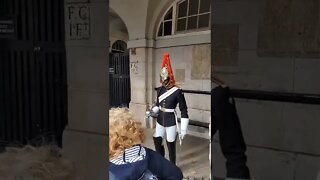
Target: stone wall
(271, 46)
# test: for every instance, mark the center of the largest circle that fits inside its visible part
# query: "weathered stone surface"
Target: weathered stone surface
(253, 72)
(180, 75)
(289, 28)
(261, 122)
(225, 42)
(301, 128)
(98, 24)
(264, 164)
(198, 101)
(139, 111)
(87, 68)
(285, 126)
(138, 90)
(308, 167)
(278, 51)
(88, 152)
(307, 76)
(87, 110)
(201, 62)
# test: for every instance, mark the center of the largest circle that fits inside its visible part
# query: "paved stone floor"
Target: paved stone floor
(192, 156)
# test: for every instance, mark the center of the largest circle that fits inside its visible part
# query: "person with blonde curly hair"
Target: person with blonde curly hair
(128, 159)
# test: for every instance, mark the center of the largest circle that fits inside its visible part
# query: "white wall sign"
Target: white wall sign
(7, 27)
(77, 21)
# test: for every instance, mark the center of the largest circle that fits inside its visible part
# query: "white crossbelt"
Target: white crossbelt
(166, 94)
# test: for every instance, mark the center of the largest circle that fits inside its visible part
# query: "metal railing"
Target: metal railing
(267, 96)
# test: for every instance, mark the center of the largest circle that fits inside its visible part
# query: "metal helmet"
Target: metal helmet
(166, 74)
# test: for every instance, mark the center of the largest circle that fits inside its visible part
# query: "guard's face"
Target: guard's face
(164, 74)
(166, 82)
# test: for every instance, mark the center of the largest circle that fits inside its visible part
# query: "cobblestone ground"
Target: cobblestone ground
(192, 156)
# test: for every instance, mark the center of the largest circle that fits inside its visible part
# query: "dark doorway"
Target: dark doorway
(119, 76)
(33, 86)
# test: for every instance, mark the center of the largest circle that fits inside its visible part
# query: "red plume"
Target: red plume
(166, 61)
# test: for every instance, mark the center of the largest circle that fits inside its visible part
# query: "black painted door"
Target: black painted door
(119, 78)
(33, 86)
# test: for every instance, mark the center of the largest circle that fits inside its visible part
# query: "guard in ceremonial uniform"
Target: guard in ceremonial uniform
(168, 97)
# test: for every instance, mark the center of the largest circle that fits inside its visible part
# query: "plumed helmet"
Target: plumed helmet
(166, 70)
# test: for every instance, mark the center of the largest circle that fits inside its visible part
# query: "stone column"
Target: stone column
(85, 137)
(138, 80)
(141, 76)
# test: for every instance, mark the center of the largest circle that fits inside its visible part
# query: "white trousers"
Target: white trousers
(170, 132)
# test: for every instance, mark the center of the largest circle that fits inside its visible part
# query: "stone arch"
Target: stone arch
(135, 21)
(117, 28)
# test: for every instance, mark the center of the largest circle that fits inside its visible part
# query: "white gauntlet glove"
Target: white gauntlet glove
(155, 109)
(184, 127)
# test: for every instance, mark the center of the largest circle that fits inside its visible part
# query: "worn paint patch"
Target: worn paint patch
(225, 44)
(201, 63)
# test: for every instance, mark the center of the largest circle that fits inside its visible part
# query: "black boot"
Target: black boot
(158, 145)
(172, 151)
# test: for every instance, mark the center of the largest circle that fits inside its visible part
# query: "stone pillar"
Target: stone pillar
(138, 80)
(85, 137)
(152, 77)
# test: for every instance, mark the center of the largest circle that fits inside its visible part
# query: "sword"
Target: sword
(180, 139)
(180, 149)
(179, 136)
(146, 118)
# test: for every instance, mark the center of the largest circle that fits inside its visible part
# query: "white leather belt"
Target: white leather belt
(166, 110)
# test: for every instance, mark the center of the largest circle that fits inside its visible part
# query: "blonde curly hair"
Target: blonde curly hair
(124, 131)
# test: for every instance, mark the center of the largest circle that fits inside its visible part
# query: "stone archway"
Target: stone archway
(119, 62)
(118, 30)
